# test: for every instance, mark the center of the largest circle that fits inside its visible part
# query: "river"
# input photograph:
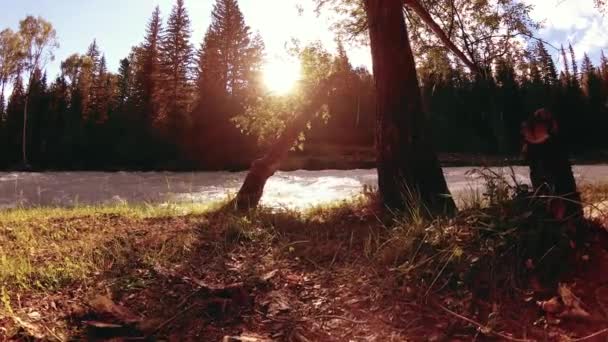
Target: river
(295, 190)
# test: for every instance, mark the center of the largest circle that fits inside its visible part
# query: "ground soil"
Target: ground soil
(298, 287)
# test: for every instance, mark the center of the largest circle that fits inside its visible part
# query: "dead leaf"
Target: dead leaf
(277, 303)
(31, 329)
(102, 325)
(245, 338)
(35, 315)
(573, 304)
(105, 306)
(552, 305)
(266, 277)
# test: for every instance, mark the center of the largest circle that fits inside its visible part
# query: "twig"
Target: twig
(299, 337)
(335, 255)
(481, 326)
(59, 338)
(295, 243)
(341, 317)
(586, 338)
(173, 318)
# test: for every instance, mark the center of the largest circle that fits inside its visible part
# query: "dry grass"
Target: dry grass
(67, 254)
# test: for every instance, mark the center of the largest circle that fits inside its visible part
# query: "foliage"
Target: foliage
(11, 54)
(350, 93)
(485, 30)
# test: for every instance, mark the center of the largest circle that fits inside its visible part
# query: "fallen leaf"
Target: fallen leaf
(574, 306)
(104, 305)
(102, 325)
(552, 305)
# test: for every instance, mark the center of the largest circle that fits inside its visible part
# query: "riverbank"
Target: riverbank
(340, 271)
(328, 157)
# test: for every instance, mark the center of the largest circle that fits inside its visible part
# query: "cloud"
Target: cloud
(572, 21)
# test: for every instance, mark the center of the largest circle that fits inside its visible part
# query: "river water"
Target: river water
(295, 190)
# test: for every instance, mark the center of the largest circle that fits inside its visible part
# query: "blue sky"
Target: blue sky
(119, 24)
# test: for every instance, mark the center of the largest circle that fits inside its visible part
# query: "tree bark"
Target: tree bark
(550, 168)
(252, 189)
(409, 173)
(24, 137)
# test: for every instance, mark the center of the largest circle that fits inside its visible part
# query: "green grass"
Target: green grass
(126, 210)
(47, 248)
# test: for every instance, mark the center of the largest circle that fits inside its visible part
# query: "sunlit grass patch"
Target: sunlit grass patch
(47, 248)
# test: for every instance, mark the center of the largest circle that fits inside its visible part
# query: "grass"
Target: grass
(47, 248)
(49, 251)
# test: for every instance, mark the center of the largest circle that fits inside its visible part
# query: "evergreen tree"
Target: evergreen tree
(229, 65)
(2, 109)
(575, 74)
(148, 75)
(125, 83)
(566, 65)
(604, 63)
(58, 154)
(176, 63)
(547, 67)
(14, 121)
(230, 57)
(586, 65)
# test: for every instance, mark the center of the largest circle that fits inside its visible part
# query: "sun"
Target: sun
(280, 76)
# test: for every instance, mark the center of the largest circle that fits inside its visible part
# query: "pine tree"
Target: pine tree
(575, 74)
(341, 62)
(2, 109)
(566, 65)
(230, 56)
(229, 64)
(102, 90)
(604, 68)
(94, 53)
(547, 67)
(148, 75)
(14, 119)
(125, 82)
(176, 63)
(587, 66)
(57, 151)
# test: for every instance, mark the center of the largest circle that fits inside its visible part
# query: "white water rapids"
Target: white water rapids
(295, 190)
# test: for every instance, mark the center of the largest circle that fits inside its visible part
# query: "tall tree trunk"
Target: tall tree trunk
(252, 189)
(408, 168)
(24, 136)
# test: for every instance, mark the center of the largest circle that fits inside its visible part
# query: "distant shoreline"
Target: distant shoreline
(317, 162)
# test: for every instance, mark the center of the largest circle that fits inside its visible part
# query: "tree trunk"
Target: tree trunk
(252, 189)
(550, 168)
(24, 137)
(409, 173)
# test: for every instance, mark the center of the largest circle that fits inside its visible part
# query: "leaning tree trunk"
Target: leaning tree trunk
(408, 168)
(261, 169)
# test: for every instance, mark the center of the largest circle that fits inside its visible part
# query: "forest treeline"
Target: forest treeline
(174, 105)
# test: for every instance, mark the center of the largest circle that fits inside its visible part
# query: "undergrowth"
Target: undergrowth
(502, 240)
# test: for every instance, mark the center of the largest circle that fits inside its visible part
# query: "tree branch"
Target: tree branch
(415, 6)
